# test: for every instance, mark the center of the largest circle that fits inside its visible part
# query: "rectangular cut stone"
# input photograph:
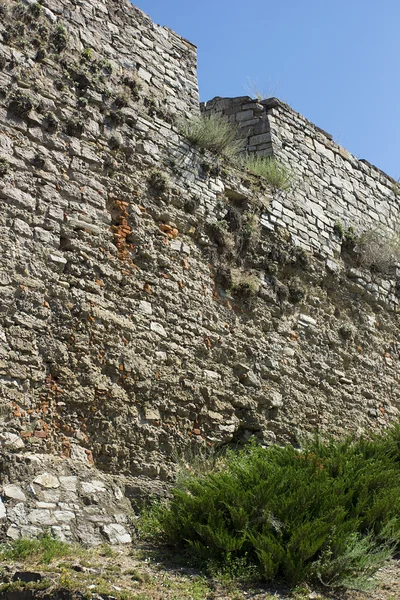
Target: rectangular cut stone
(262, 138)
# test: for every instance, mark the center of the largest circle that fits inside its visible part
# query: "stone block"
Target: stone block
(14, 492)
(262, 138)
(47, 480)
(116, 534)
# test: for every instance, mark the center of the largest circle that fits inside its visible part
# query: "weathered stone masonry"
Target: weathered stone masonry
(155, 299)
(330, 184)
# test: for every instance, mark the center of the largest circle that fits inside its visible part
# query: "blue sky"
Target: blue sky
(334, 61)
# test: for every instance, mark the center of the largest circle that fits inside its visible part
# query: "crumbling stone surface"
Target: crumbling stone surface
(143, 323)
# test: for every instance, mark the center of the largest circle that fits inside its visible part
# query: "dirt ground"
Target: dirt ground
(142, 572)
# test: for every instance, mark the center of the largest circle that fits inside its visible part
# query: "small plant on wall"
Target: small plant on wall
(278, 175)
(213, 133)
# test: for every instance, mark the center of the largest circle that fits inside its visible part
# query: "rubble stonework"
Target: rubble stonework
(155, 301)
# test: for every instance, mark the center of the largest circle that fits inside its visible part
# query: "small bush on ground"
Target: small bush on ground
(43, 549)
(274, 171)
(329, 512)
(213, 133)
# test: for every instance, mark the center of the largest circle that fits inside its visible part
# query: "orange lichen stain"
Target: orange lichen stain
(100, 282)
(164, 275)
(157, 375)
(180, 285)
(46, 304)
(171, 232)
(147, 288)
(121, 231)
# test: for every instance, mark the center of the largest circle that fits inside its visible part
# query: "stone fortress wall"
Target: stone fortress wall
(333, 185)
(149, 306)
(330, 184)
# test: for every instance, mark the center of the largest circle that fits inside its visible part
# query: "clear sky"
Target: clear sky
(334, 61)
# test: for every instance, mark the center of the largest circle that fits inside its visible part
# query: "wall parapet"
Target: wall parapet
(330, 184)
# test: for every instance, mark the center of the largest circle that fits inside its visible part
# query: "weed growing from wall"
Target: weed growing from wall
(213, 133)
(379, 248)
(278, 175)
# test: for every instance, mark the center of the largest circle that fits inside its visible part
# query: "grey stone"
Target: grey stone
(64, 516)
(69, 482)
(306, 320)
(47, 480)
(158, 328)
(211, 374)
(14, 492)
(13, 532)
(29, 531)
(145, 307)
(116, 534)
(39, 516)
(3, 512)
(92, 487)
(17, 514)
(11, 440)
(18, 198)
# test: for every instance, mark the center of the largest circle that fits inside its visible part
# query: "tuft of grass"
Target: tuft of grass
(42, 550)
(213, 133)
(4, 166)
(379, 247)
(87, 54)
(396, 188)
(59, 38)
(245, 287)
(327, 513)
(106, 550)
(275, 172)
(159, 181)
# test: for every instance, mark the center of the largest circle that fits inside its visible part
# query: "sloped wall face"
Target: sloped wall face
(148, 307)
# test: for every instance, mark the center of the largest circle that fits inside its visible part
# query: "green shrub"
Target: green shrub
(329, 512)
(43, 549)
(4, 166)
(213, 133)
(20, 104)
(274, 171)
(87, 54)
(59, 38)
(339, 230)
(132, 81)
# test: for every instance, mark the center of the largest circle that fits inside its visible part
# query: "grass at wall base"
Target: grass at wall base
(329, 513)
